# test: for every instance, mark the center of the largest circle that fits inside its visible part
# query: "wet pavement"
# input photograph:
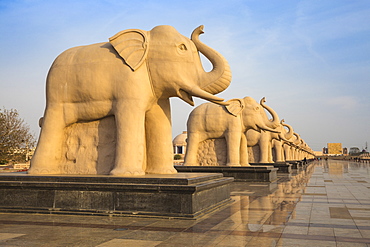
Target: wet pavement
(325, 204)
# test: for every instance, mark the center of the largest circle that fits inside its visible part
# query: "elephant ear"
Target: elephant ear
(132, 45)
(235, 106)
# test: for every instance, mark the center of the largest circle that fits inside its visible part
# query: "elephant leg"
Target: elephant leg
(159, 139)
(264, 153)
(288, 153)
(283, 158)
(285, 153)
(233, 140)
(282, 155)
(244, 151)
(269, 157)
(192, 147)
(48, 154)
(279, 153)
(130, 146)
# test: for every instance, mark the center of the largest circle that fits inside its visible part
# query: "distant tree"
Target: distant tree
(15, 138)
(177, 157)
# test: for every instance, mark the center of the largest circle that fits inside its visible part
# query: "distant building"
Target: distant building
(179, 143)
(345, 151)
(354, 150)
(335, 149)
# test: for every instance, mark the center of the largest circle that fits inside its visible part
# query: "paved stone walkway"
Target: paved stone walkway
(327, 204)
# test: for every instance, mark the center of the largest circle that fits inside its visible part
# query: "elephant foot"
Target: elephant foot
(42, 171)
(233, 164)
(247, 164)
(170, 170)
(190, 164)
(126, 173)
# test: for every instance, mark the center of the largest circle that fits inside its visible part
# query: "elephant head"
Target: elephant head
(173, 62)
(284, 135)
(297, 141)
(253, 114)
(274, 122)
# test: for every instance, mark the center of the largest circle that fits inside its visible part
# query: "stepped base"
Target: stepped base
(296, 164)
(283, 167)
(182, 195)
(240, 173)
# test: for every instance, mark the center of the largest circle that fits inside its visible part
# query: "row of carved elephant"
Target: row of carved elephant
(108, 109)
(244, 126)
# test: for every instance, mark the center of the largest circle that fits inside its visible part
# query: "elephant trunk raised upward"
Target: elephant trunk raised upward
(289, 134)
(274, 122)
(297, 141)
(219, 78)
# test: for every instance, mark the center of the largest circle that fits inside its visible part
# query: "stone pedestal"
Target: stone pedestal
(295, 163)
(182, 195)
(250, 189)
(282, 166)
(240, 173)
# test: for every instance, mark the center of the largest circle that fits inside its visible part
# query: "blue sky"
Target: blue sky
(310, 59)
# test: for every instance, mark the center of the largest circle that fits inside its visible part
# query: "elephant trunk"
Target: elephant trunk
(282, 137)
(298, 139)
(219, 78)
(274, 122)
(289, 134)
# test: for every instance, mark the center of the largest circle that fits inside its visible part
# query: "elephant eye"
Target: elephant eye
(257, 108)
(182, 47)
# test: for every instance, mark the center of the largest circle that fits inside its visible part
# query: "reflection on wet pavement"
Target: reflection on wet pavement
(325, 204)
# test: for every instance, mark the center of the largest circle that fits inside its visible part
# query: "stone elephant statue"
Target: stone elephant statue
(264, 139)
(297, 149)
(131, 77)
(278, 145)
(211, 121)
(290, 148)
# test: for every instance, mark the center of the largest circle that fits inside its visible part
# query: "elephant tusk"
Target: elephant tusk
(198, 92)
(269, 129)
(185, 96)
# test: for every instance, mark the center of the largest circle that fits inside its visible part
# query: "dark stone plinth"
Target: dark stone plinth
(250, 189)
(282, 166)
(183, 195)
(240, 173)
(296, 164)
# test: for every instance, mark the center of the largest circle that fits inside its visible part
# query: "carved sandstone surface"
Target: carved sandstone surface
(129, 79)
(91, 144)
(213, 152)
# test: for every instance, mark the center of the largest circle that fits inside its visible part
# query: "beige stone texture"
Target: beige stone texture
(91, 144)
(267, 140)
(230, 123)
(129, 79)
(212, 152)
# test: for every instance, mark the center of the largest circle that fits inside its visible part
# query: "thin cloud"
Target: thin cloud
(343, 102)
